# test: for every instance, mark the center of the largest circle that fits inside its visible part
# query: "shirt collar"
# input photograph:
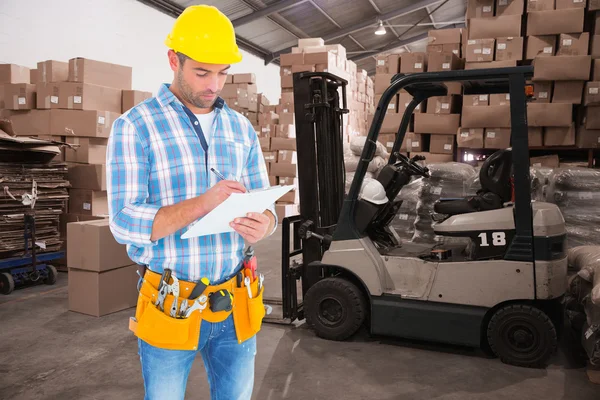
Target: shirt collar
(165, 97)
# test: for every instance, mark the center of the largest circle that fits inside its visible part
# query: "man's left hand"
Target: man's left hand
(253, 227)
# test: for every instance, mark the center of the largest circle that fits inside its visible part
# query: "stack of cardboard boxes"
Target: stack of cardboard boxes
(241, 95)
(588, 135)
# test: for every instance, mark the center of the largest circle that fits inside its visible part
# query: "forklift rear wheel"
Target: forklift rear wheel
(522, 335)
(7, 283)
(335, 308)
(52, 275)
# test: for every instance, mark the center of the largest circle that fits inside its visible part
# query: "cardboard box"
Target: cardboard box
(286, 210)
(496, 27)
(414, 142)
(284, 169)
(391, 123)
(592, 94)
(490, 64)
(83, 96)
(47, 95)
(286, 118)
(540, 46)
(576, 44)
(540, 5)
(324, 57)
(510, 48)
(92, 247)
(480, 8)
(102, 293)
(437, 123)
(542, 92)
(392, 105)
(441, 144)
(268, 130)
(444, 36)
(12, 73)
(387, 64)
(483, 117)
(477, 100)
(593, 5)
(33, 79)
(132, 98)
(382, 82)
(388, 139)
(555, 22)
(100, 73)
(19, 96)
(286, 131)
(302, 68)
(88, 202)
(284, 108)
(568, 92)
(559, 136)
(595, 47)
(81, 123)
(29, 123)
(496, 138)
(544, 161)
(291, 197)
(499, 99)
(404, 100)
(443, 62)
(244, 78)
(87, 176)
(510, 7)
(535, 136)
(564, 4)
(290, 59)
(587, 138)
(282, 144)
(265, 144)
(287, 156)
(480, 50)
(413, 62)
(551, 114)
(591, 118)
(86, 150)
(443, 105)
(52, 71)
(270, 156)
(596, 70)
(562, 68)
(434, 158)
(470, 138)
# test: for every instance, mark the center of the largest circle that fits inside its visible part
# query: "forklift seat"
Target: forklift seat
(496, 188)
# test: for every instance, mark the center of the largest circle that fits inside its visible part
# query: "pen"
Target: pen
(218, 174)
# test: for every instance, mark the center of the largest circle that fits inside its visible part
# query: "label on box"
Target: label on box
(101, 120)
(77, 99)
(285, 110)
(390, 144)
(507, 96)
(22, 101)
(54, 99)
(436, 190)
(487, 50)
(418, 65)
(415, 144)
(483, 97)
(590, 331)
(403, 217)
(270, 157)
(593, 90)
(491, 135)
(487, 9)
(567, 42)
(548, 50)
(476, 51)
(464, 134)
(455, 51)
(537, 165)
(502, 2)
(447, 147)
(577, 1)
(380, 62)
(87, 206)
(446, 66)
(543, 95)
(445, 106)
(391, 106)
(586, 195)
(501, 46)
(266, 129)
(471, 41)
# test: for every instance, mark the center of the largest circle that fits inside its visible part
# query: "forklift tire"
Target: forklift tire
(335, 308)
(7, 283)
(522, 335)
(52, 275)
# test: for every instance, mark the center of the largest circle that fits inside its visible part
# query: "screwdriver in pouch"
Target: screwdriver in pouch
(200, 287)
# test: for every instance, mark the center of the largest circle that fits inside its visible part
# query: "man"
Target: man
(159, 161)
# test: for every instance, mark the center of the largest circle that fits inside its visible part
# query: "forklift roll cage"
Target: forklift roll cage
(311, 231)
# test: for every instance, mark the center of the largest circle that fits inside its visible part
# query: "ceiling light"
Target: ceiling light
(381, 29)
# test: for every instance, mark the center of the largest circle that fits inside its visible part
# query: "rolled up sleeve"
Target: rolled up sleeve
(127, 173)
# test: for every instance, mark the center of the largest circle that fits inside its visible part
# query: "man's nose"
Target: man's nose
(213, 83)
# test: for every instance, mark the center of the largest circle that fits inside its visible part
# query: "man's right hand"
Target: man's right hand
(218, 194)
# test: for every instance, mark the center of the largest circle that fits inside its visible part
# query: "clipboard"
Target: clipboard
(237, 205)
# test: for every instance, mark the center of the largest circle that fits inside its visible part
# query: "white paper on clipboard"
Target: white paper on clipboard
(237, 205)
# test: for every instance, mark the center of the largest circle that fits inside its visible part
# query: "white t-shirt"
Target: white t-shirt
(206, 123)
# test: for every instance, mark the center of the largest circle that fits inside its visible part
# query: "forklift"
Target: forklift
(501, 290)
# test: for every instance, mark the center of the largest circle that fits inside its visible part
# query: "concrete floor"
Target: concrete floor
(48, 352)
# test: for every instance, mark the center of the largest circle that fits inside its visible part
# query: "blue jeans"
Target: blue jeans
(229, 365)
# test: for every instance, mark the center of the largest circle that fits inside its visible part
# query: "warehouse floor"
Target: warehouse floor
(47, 352)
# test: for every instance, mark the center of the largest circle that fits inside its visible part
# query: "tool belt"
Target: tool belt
(158, 328)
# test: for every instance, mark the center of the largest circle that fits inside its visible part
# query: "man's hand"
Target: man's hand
(254, 227)
(218, 194)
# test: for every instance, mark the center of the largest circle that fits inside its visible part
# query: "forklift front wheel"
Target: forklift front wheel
(7, 283)
(335, 308)
(522, 335)
(52, 275)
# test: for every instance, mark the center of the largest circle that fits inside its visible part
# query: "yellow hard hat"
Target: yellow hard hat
(206, 35)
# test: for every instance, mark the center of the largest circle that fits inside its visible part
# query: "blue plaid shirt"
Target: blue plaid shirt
(156, 158)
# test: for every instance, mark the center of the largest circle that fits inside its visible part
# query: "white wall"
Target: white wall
(118, 31)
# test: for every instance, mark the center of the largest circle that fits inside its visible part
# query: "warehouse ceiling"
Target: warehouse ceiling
(268, 28)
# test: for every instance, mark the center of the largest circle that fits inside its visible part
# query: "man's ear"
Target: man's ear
(173, 60)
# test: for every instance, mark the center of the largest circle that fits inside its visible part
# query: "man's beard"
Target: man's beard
(195, 98)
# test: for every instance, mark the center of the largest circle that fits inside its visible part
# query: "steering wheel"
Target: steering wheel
(411, 164)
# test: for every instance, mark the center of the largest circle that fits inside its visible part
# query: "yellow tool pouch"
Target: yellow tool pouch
(159, 329)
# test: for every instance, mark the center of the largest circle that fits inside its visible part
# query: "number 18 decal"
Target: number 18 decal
(498, 239)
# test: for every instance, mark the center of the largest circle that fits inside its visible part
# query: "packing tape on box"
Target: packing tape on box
(75, 71)
(47, 102)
